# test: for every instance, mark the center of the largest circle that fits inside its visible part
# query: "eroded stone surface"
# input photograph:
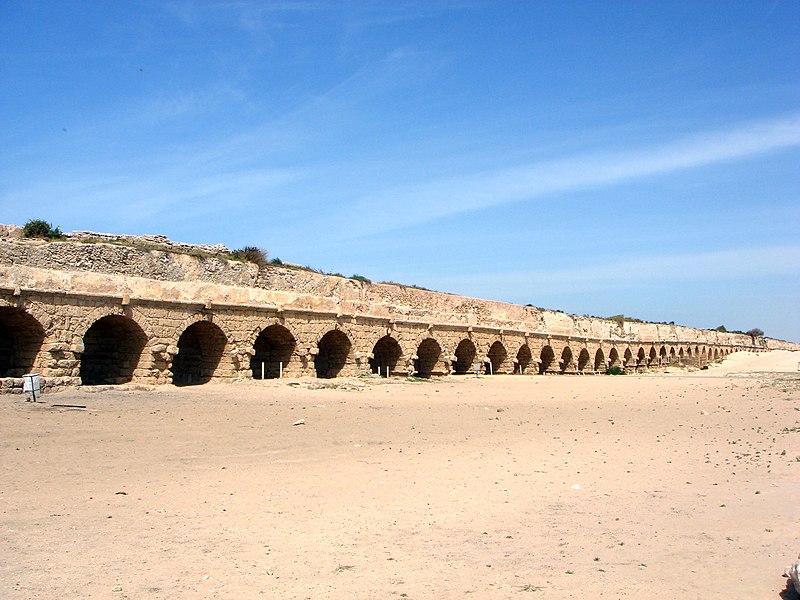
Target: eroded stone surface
(146, 309)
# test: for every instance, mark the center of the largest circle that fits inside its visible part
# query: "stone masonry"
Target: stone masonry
(113, 309)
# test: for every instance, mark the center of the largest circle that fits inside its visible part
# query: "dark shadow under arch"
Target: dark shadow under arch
(333, 351)
(547, 357)
(600, 360)
(21, 337)
(386, 355)
(583, 359)
(272, 352)
(524, 358)
(465, 357)
(112, 349)
(566, 359)
(497, 358)
(200, 349)
(428, 354)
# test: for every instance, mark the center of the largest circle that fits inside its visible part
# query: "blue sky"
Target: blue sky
(595, 157)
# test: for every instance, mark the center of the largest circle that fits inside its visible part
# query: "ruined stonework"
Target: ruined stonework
(116, 309)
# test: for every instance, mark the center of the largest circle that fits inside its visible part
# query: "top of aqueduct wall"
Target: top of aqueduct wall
(157, 269)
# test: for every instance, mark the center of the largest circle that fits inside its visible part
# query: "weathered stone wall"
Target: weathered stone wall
(188, 315)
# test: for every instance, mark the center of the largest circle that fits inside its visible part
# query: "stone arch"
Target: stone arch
(200, 349)
(662, 354)
(112, 349)
(93, 316)
(333, 352)
(628, 357)
(273, 350)
(716, 353)
(428, 354)
(673, 356)
(386, 355)
(498, 355)
(567, 360)
(524, 357)
(583, 359)
(681, 354)
(547, 358)
(465, 356)
(613, 357)
(21, 337)
(600, 359)
(653, 357)
(641, 357)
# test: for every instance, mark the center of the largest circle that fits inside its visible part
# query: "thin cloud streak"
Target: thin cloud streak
(454, 195)
(725, 265)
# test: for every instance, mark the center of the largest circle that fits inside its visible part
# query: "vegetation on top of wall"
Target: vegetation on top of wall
(39, 229)
(754, 332)
(405, 285)
(148, 247)
(360, 278)
(252, 254)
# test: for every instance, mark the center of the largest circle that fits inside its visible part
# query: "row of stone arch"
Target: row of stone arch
(112, 350)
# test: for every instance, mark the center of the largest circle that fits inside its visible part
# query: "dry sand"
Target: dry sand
(656, 486)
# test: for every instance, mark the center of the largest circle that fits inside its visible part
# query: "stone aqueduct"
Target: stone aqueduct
(148, 310)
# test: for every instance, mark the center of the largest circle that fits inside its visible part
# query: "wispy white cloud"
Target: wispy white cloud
(462, 193)
(740, 264)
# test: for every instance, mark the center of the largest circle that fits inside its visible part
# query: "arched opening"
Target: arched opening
(613, 358)
(272, 352)
(641, 357)
(547, 357)
(716, 354)
(465, 357)
(628, 357)
(200, 349)
(689, 352)
(680, 355)
(21, 337)
(333, 350)
(567, 364)
(112, 349)
(672, 355)
(662, 354)
(600, 359)
(524, 358)
(583, 359)
(428, 355)
(653, 358)
(497, 358)
(386, 355)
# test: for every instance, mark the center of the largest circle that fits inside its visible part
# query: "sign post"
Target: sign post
(32, 382)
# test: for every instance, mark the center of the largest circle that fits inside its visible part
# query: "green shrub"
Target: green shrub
(37, 228)
(276, 261)
(756, 332)
(615, 370)
(361, 278)
(251, 254)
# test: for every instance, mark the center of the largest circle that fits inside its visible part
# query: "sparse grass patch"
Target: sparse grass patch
(252, 254)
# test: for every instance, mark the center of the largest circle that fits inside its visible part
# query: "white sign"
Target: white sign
(32, 383)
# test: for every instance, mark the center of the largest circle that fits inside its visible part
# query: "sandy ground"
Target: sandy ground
(657, 486)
